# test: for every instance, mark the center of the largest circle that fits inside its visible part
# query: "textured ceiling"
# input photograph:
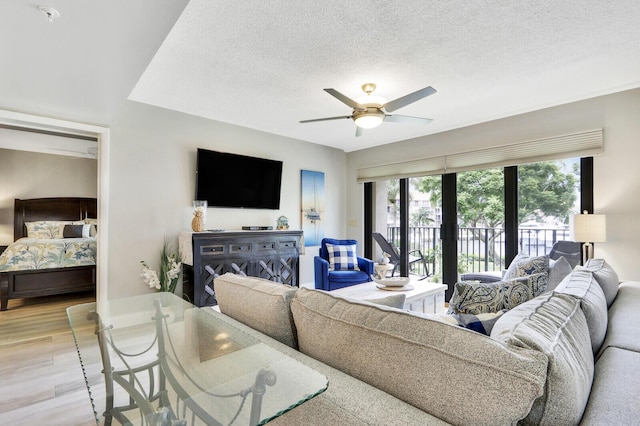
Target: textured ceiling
(263, 64)
(83, 65)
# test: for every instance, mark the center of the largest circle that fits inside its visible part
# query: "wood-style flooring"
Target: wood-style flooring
(41, 381)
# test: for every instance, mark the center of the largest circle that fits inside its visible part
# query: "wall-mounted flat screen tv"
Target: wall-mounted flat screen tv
(232, 180)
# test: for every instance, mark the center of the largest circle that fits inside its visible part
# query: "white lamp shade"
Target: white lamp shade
(590, 228)
(369, 121)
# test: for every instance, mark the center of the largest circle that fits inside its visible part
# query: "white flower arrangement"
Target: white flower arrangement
(170, 270)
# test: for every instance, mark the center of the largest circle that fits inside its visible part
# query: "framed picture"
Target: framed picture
(312, 206)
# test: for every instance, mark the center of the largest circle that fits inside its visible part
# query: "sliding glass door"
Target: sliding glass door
(421, 211)
(478, 220)
(548, 195)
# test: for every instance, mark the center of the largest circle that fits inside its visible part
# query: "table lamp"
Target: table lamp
(588, 229)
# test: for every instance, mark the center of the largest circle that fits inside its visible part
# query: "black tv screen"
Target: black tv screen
(232, 180)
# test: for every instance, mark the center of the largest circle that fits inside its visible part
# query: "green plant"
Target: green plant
(170, 270)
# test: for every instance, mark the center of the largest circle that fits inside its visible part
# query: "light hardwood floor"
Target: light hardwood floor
(41, 381)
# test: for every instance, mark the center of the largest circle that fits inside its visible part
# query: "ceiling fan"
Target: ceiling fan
(370, 111)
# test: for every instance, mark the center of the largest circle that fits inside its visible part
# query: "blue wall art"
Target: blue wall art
(312, 206)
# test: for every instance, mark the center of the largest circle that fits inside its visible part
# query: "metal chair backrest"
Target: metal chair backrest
(570, 250)
(387, 247)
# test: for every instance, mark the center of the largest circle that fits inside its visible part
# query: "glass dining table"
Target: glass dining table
(159, 360)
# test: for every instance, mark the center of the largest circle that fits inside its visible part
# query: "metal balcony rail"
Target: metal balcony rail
(479, 249)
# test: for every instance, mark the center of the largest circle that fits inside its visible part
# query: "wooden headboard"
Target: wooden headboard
(59, 208)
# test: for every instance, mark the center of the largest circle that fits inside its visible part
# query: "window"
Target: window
(425, 217)
(480, 199)
(547, 194)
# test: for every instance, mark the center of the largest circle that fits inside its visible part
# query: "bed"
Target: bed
(27, 268)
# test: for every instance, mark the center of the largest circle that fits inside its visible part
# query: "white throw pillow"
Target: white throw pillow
(558, 270)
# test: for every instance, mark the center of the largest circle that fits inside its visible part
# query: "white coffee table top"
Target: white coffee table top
(421, 289)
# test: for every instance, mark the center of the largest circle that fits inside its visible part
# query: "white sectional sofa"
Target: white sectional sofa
(569, 356)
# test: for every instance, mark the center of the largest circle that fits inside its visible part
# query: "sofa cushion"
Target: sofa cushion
(624, 319)
(393, 300)
(346, 402)
(422, 361)
(476, 298)
(558, 270)
(614, 394)
(555, 325)
(606, 277)
(524, 264)
(583, 286)
(258, 303)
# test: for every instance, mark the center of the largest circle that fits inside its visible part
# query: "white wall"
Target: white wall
(616, 171)
(152, 185)
(34, 175)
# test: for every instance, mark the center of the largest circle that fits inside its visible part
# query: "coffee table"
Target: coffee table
(425, 297)
(158, 360)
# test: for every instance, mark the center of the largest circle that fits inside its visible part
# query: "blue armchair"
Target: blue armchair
(342, 255)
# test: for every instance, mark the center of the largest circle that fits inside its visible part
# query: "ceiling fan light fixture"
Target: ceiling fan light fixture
(371, 100)
(369, 119)
(370, 111)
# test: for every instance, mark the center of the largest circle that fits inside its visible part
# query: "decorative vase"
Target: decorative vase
(199, 212)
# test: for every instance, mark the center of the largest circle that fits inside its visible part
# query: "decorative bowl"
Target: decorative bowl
(392, 281)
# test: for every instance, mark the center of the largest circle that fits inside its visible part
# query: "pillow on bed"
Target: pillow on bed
(48, 229)
(93, 232)
(76, 231)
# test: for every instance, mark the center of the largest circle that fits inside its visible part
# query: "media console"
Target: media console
(273, 255)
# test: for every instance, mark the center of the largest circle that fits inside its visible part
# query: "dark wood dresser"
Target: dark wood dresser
(273, 255)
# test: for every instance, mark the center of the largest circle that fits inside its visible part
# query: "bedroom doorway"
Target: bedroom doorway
(48, 125)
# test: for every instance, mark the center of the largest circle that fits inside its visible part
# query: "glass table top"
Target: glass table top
(157, 359)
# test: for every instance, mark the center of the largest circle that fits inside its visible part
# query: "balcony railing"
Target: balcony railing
(479, 249)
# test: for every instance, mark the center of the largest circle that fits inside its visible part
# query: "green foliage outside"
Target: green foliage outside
(420, 217)
(545, 190)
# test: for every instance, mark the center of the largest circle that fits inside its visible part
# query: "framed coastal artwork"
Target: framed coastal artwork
(312, 206)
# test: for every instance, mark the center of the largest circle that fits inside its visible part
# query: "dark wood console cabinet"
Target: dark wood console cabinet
(273, 255)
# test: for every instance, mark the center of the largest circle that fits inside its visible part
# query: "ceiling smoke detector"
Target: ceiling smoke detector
(50, 12)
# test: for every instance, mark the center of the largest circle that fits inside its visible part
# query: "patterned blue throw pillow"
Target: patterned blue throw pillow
(342, 257)
(523, 265)
(477, 298)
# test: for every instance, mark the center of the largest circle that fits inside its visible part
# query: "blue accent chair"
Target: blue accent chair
(333, 280)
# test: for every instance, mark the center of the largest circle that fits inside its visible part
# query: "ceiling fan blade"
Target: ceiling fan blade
(359, 131)
(407, 119)
(408, 99)
(326, 119)
(345, 100)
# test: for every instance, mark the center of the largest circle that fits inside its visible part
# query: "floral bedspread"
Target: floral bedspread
(32, 253)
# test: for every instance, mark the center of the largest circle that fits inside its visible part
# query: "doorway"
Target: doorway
(44, 124)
